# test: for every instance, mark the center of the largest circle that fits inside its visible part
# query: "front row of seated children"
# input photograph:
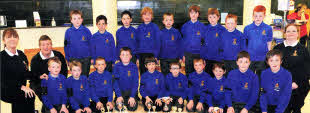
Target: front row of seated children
(238, 92)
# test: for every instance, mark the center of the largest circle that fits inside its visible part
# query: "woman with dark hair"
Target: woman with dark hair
(15, 75)
(296, 59)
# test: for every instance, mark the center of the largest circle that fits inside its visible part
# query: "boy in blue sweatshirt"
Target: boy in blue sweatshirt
(78, 89)
(210, 50)
(216, 93)
(232, 42)
(192, 38)
(276, 85)
(102, 43)
(126, 36)
(148, 40)
(242, 87)
(259, 37)
(54, 95)
(176, 86)
(76, 44)
(171, 44)
(126, 82)
(197, 86)
(101, 87)
(152, 86)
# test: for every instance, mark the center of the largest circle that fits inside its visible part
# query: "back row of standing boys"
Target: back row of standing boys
(201, 47)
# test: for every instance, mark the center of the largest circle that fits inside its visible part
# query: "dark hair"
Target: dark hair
(99, 59)
(149, 60)
(219, 65)
(126, 13)
(272, 53)
(44, 38)
(101, 17)
(243, 54)
(9, 32)
(175, 63)
(125, 49)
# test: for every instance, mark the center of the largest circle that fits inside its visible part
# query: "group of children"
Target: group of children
(209, 53)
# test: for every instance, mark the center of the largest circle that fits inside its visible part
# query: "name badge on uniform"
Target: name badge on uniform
(222, 88)
(131, 35)
(198, 32)
(180, 85)
(82, 87)
(202, 83)
(148, 34)
(172, 37)
(264, 32)
(245, 86)
(107, 40)
(216, 35)
(105, 82)
(129, 73)
(156, 81)
(83, 38)
(276, 87)
(235, 41)
(60, 86)
(295, 53)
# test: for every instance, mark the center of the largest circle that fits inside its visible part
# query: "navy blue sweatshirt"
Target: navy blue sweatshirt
(231, 44)
(216, 92)
(76, 43)
(80, 91)
(152, 84)
(126, 37)
(244, 88)
(176, 86)
(126, 78)
(101, 85)
(171, 44)
(56, 91)
(277, 89)
(148, 40)
(103, 45)
(193, 34)
(198, 85)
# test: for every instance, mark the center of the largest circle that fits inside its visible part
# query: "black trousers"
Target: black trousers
(271, 108)
(257, 67)
(22, 104)
(104, 101)
(153, 98)
(196, 100)
(85, 64)
(303, 40)
(142, 57)
(165, 65)
(175, 103)
(239, 106)
(189, 64)
(126, 96)
(209, 66)
(297, 101)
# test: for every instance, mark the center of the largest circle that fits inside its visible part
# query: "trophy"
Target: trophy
(174, 109)
(102, 110)
(166, 108)
(154, 108)
(179, 109)
(119, 106)
(108, 108)
(149, 106)
(125, 108)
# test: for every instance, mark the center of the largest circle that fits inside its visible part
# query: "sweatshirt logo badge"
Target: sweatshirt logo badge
(107, 40)
(264, 32)
(82, 88)
(129, 73)
(156, 81)
(60, 86)
(222, 88)
(202, 83)
(295, 53)
(235, 41)
(172, 37)
(216, 35)
(198, 32)
(180, 85)
(131, 35)
(83, 38)
(105, 82)
(276, 87)
(148, 35)
(246, 86)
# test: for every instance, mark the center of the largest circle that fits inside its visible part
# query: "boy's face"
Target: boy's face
(199, 66)
(100, 66)
(168, 21)
(218, 72)
(45, 47)
(147, 17)
(76, 20)
(193, 15)
(125, 56)
(230, 24)
(76, 71)
(258, 17)
(126, 20)
(101, 25)
(175, 70)
(54, 68)
(151, 66)
(243, 64)
(275, 62)
(213, 18)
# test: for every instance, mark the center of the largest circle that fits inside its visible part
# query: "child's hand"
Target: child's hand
(183, 59)
(158, 102)
(44, 76)
(64, 109)
(119, 100)
(294, 85)
(221, 110)
(79, 111)
(53, 110)
(180, 100)
(199, 106)
(230, 110)
(99, 105)
(190, 105)
(211, 109)
(92, 61)
(244, 110)
(110, 105)
(264, 112)
(28, 92)
(87, 110)
(147, 100)
(131, 102)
